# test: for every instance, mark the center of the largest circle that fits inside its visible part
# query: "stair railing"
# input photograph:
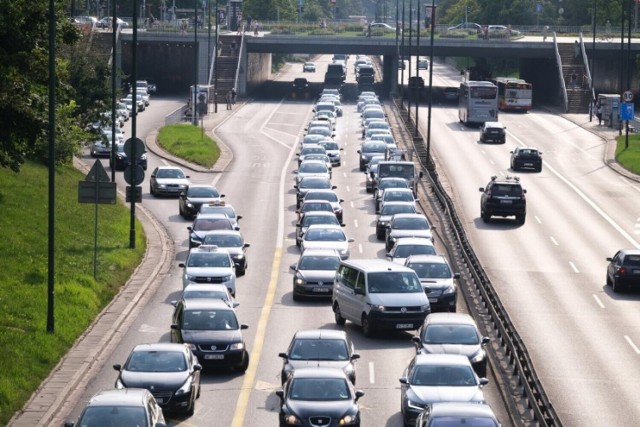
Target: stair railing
(565, 100)
(585, 61)
(240, 50)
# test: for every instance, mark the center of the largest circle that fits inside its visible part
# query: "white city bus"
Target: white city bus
(478, 102)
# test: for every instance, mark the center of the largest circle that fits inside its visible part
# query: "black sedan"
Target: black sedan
(526, 158)
(623, 270)
(319, 397)
(320, 348)
(170, 371)
(195, 196)
(212, 331)
(122, 161)
(234, 243)
(206, 223)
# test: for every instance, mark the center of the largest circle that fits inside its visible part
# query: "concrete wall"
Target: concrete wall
(255, 70)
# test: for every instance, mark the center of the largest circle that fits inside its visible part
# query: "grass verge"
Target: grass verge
(29, 352)
(629, 157)
(188, 142)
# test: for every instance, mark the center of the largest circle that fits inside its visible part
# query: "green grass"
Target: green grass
(28, 351)
(629, 157)
(187, 141)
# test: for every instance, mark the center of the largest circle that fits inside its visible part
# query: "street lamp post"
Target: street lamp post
(194, 116)
(215, 65)
(418, 66)
(432, 22)
(409, 64)
(397, 38)
(402, 58)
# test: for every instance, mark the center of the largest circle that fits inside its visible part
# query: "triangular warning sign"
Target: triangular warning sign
(97, 173)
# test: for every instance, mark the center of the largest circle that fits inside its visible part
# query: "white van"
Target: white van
(378, 295)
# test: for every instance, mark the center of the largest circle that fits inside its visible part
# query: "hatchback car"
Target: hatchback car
(388, 210)
(333, 151)
(127, 407)
(314, 217)
(493, 132)
(209, 264)
(314, 273)
(438, 280)
(233, 242)
(432, 378)
(407, 225)
(168, 180)
(326, 237)
(207, 291)
(310, 149)
(396, 194)
(122, 161)
(453, 333)
(319, 397)
(312, 182)
(368, 149)
(503, 197)
(309, 67)
(169, 371)
(322, 348)
(211, 330)
(208, 222)
(463, 414)
(313, 168)
(405, 247)
(623, 271)
(221, 207)
(194, 196)
(331, 197)
(526, 158)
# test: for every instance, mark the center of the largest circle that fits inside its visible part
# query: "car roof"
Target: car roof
(630, 251)
(402, 190)
(450, 319)
(325, 227)
(319, 372)
(439, 259)
(493, 124)
(213, 215)
(206, 304)
(461, 409)
(169, 167)
(203, 186)
(192, 286)
(120, 397)
(320, 213)
(161, 346)
(205, 249)
(442, 359)
(330, 334)
(319, 252)
(413, 241)
(376, 265)
(410, 215)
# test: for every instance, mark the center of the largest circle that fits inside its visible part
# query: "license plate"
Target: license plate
(159, 400)
(529, 164)
(635, 271)
(404, 326)
(505, 202)
(321, 290)
(214, 356)
(433, 299)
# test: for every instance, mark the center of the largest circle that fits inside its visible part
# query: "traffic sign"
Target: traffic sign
(97, 192)
(626, 111)
(97, 173)
(128, 147)
(627, 96)
(138, 174)
(137, 194)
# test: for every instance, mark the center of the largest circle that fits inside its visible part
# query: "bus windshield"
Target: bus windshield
(482, 92)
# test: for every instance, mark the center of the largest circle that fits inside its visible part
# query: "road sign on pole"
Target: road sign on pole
(627, 96)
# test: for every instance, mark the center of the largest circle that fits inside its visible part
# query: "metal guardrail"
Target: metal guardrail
(527, 384)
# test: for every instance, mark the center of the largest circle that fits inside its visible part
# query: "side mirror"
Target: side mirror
(359, 394)
(190, 228)
(246, 245)
(280, 394)
(416, 340)
(197, 367)
(403, 380)
(117, 367)
(484, 381)
(221, 196)
(485, 340)
(181, 265)
(351, 240)
(355, 356)
(481, 189)
(283, 355)
(244, 326)
(174, 302)
(333, 187)
(238, 218)
(359, 152)
(175, 327)
(340, 201)
(358, 291)
(293, 267)
(511, 152)
(421, 174)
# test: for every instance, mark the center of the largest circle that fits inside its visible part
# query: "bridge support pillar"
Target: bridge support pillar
(389, 74)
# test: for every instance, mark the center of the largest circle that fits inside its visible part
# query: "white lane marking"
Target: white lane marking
(360, 247)
(595, 297)
(351, 203)
(554, 241)
(355, 223)
(344, 174)
(348, 188)
(492, 162)
(595, 207)
(633, 346)
(573, 266)
(372, 373)
(538, 219)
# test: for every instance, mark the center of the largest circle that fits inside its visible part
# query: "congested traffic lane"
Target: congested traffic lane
(550, 271)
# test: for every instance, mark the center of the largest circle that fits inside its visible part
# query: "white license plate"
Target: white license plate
(529, 164)
(214, 356)
(321, 290)
(404, 326)
(433, 299)
(635, 271)
(159, 400)
(505, 202)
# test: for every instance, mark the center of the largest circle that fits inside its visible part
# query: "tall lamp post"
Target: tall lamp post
(194, 116)
(397, 38)
(593, 61)
(417, 66)
(409, 65)
(432, 22)
(215, 65)
(402, 57)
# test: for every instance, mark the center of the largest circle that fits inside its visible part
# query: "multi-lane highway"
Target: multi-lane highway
(549, 272)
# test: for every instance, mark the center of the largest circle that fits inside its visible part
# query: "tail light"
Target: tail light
(622, 271)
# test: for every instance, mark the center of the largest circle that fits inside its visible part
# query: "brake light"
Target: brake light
(622, 271)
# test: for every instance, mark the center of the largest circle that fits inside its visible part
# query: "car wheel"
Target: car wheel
(191, 409)
(295, 296)
(340, 321)
(539, 168)
(245, 363)
(151, 190)
(366, 326)
(241, 272)
(615, 287)
(380, 236)
(521, 218)
(513, 167)
(608, 280)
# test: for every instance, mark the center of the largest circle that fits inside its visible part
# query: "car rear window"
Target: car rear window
(506, 190)
(633, 260)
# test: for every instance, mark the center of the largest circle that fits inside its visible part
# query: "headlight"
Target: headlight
(227, 278)
(449, 290)
(195, 238)
(238, 256)
(237, 346)
(378, 308)
(186, 387)
(383, 223)
(162, 185)
(425, 307)
(191, 346)
(413, 404)
(347, 419)
(478, 357)
(189, 277)
(119, 384)
(292, 420)
(182, 186)
(299, 281)
(189, 204)
(344, 252)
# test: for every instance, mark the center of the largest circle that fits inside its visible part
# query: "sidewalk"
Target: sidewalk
(56, 397)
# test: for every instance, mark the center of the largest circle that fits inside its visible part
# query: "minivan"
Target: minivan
(378, 295)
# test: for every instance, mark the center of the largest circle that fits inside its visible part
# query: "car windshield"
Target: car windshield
(313, 206)
(156, 361)
(319, 349)
(312, 167)
(398, 196)
(404, 251)
(225, 210)
(451, 334)
(506, 190)
(410, 224)
(315, 183)
(393, 183)
(391, 209)
(203, 293)
(113, 415)
(443, 376)
(396, 282)
(325, 235)
(209, 259)
(431, 270)
(223, 240)
(317, 262)
(329, 197)
(374, 147)
(209, 320)
(202, 192)
(319, 219)
(333, 146)
(462, 421)
(170, 173)
(206, 224)
(319, 389)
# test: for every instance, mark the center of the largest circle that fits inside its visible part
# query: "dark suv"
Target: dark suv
(503, 197)
(493, 132)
